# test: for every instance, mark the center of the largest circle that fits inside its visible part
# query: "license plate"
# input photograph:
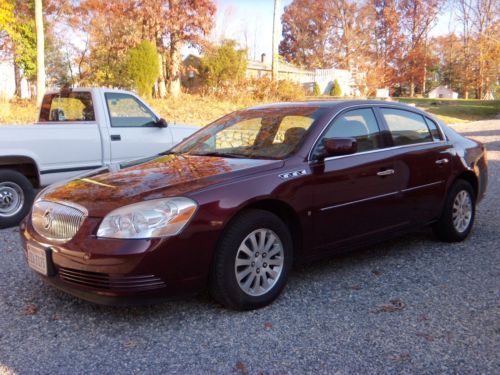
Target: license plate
(37, 259)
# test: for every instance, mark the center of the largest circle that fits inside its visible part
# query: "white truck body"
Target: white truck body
(60, 150)
(78, 130)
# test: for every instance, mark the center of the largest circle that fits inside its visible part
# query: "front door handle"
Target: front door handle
(441, 161)
(116, 137)
(386, 172)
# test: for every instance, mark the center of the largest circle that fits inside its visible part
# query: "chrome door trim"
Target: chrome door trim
(359, 201)
(422, 186)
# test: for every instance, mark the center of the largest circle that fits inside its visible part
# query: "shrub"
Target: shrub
(265, 89)
(143, 67)
(316, 89)
(224, 64)
(336, 89)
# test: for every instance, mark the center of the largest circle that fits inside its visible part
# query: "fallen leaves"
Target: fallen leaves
(30, 309)
(268, 325)
(425, 335)
(130, 344)
(241, 368)
(401, 357)
(394, 305)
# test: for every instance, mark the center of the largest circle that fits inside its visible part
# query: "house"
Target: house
(442, 92)
(8, 83)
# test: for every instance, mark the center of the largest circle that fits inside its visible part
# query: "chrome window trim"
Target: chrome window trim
(372, 106)
(380, 150)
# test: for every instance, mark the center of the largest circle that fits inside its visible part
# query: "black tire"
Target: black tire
(224, 285)
(444, 228)
(12, 183)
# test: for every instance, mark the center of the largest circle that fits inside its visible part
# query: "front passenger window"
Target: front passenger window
(125, 111)
(359, 124)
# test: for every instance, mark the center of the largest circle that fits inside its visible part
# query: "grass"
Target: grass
(457, 110)
(199, 110)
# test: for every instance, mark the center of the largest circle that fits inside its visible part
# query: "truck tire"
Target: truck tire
(16, 197)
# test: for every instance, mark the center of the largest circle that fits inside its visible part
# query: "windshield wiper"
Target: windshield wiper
(222, 155)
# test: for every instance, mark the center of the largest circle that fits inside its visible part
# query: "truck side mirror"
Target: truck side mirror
(161, 123)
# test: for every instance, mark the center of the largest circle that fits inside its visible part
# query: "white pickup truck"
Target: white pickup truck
(78, 130)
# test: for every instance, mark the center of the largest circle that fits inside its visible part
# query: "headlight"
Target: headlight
(154, 218)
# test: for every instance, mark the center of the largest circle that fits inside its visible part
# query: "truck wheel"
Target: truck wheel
(16, 197)
(252, 261)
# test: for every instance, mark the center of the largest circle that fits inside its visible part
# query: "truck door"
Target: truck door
(133, 130)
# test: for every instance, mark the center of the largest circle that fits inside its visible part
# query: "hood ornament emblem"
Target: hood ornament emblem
(48, 218)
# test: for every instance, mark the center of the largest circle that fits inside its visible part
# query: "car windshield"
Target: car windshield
(269, 133)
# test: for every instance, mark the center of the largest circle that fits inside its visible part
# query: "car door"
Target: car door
(357, 195)
(133, 132)
(423, 157)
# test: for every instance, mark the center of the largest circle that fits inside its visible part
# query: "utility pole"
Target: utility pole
(276, 27)
(40, 52)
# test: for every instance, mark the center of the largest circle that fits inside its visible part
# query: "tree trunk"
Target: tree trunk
(40, 53)
(175, 61)
(412, 88)
(276, 38)
(17, 78)
(162, 87)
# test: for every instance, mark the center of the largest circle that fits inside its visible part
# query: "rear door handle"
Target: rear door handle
(386, 172)
(116, 137)
(441, 161)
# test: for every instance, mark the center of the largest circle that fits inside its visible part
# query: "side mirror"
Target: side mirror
(161, 123)
(340, 146)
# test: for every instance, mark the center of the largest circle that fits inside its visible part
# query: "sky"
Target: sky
(254, 18)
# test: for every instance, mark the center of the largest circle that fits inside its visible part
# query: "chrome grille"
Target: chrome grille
(117, 283)
(57, 221)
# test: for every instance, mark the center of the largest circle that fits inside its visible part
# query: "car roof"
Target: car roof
(331, 103)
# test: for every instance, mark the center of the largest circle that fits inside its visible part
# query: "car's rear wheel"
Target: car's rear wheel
(458, 215)
(252, 261)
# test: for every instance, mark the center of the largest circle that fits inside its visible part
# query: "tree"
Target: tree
(143, 67)
(336, 89)
(224, 64)
(188, 22)
(418, 17)
(40, 52)
(307, 25)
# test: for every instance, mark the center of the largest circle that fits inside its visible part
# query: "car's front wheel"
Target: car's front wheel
(252, 261)
(458, 215)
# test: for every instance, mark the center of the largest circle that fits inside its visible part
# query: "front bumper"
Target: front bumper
(124, 272)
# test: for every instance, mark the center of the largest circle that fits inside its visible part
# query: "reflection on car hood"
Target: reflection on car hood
(164, 176)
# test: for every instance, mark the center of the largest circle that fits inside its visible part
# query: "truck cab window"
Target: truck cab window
(67, 107)
(125, 111)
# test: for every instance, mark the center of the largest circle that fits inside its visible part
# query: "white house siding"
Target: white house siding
(442, 92)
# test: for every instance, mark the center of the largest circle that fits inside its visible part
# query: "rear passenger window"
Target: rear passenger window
(406, 127)
(359, 124)
(436, 134)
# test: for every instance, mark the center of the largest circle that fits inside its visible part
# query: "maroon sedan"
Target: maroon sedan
(234, 205)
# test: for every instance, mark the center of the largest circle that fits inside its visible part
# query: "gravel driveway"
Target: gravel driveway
(411, 305)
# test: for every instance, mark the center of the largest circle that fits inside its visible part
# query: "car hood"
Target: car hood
(165, 176)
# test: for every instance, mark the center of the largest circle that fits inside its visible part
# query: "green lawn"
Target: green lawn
(459, 110)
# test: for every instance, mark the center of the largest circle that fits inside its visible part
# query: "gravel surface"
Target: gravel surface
(411, 305)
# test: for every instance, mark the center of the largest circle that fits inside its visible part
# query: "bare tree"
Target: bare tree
(276, 35)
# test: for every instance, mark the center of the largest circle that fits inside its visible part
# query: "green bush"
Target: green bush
(224, 64)
(336, 89)
(316, 89)
(143, 67)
